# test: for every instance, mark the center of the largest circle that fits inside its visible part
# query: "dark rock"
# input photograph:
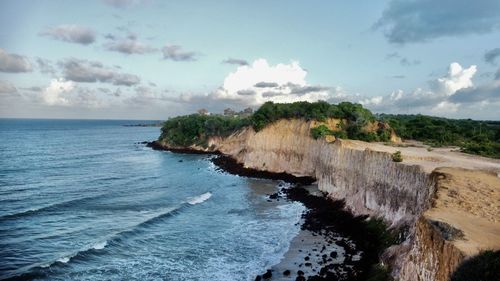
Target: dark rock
(300, 273)
(308, 264)
(273, 196)
(267, 275)
(449, 232)
(230, 165)
(286, 272)
(306, 258)
(300, 278)
(333, 254)
(181, 160)
(258, 278)
(156, 145)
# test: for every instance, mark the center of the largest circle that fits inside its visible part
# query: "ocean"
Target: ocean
(84, 200)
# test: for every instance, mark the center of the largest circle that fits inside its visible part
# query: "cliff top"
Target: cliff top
(416, 153)
(468, 201)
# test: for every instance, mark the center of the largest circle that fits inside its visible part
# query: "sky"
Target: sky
(147, 59)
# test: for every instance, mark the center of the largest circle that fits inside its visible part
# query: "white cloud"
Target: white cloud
(67, 93)
(396, 95)
(372, 101)
(71, 33)
(458, 78)
(14, 63)
(445, 107)
(54, 94)
(283, 83)
(452, 95)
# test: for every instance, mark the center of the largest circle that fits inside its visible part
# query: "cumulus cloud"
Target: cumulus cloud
(489, 92)
(259, 82)
(408, 21)
(14, 63)
(457, 78)
(71, 33)
(55, 93)
(175, 53)
(452, 95)
(128, 45)
(92, 71)
(371, 101)
(147, 97)
(45, 66)
(266, 85)
(61, 92)
(7, 87)
(235, 61)
(491, 55)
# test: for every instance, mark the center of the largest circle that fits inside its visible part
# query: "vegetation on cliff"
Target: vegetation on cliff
(356, 117)
(195, 129)
(320, 111)
(475, 137)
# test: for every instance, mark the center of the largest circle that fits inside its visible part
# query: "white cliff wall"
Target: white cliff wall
(369, 181)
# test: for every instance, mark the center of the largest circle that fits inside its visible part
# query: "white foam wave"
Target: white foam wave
(199, 199)
(100, 245)
(64, 259)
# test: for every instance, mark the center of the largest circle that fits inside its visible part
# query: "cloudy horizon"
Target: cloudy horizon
(146, 59)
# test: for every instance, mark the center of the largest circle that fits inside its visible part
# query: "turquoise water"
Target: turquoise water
(81, 200)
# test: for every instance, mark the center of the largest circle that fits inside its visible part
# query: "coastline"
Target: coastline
(332, 244)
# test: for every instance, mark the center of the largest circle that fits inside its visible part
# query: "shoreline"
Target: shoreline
(328, 230)
(332, 244)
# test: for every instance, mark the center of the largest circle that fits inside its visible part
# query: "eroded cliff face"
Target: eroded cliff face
(369, 181)
(431, 257)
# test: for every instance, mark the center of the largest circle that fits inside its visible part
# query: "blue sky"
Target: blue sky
(146, 59)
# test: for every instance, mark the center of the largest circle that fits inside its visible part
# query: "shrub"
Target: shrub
(340, 134)
(384, 134)
(320, 131)
(397, 157)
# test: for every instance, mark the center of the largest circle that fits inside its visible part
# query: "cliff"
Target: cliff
(369, 181)
(363, 174)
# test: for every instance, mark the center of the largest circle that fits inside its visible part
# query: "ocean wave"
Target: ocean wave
(66, 258)
(34, 211)
(113, 239)
(199, 199)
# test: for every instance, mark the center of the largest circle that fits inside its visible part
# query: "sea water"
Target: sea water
(84, 200)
